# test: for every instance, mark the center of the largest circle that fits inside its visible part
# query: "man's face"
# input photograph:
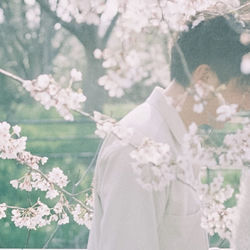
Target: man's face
(216, 94)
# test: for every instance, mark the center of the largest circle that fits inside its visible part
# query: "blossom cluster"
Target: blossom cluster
(106, 125)
(126, 66)
(152, 165)
(40, 215)
(167, 15)
(45, 90)
(82, 216)
(156, 165)
(13, 146)
(10, 147)
(84, 11)
(33, 14)
(37, 181)
(3, 208)
(216, 217)
(194, 157)
(236, 149)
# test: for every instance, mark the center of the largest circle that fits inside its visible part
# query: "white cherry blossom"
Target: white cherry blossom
(57, 177)
(216, 218)
(152, 165)
(2, 17)
(75, 75)
(245, 64)
(225, 112)
(3, 208)
(45, 90)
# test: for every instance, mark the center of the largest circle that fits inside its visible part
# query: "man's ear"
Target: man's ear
(202, 74)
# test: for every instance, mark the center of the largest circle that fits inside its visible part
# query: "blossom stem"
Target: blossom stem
(62, 190)
(239, 8)
(14, 77)
(13, 207)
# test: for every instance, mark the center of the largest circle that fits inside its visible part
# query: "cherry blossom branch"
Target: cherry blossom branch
(239, 8)
(12, 76)
(72, 196)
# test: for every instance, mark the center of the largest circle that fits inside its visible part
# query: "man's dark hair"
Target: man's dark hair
(215, 42)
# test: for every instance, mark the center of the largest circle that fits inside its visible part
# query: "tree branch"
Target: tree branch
(12, 76)
(85, 33)
(72, 27)
(109, 30)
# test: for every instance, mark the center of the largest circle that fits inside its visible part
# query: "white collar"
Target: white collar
(159, 101)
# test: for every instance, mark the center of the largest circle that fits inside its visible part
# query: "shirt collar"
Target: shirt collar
(159, 101)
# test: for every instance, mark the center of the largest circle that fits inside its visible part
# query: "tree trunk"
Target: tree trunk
(96, 95)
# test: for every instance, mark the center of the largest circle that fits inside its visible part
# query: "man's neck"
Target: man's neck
(184, 104)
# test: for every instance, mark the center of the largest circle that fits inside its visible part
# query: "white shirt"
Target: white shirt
(128, 217)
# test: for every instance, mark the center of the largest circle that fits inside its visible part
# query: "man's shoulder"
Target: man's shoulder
(143, 119)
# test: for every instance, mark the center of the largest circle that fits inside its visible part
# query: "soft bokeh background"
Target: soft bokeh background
(33, 42)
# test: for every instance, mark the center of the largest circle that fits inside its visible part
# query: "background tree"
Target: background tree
(84, 23)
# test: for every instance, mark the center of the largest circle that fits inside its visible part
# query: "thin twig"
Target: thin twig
(28, 238)
(14, 77)
(51, 237)
(239, 8)
(90, 165)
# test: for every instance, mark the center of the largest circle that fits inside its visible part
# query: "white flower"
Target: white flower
(193, 128)
(33, 217)
(53, 89)
(58, 208)
(216, 218)
(225, 112)
(98, 54)
(44, 160)
(51, 194)
(124, 134)
(16, 130)
(64, 219)
(42, 82)
(104, 124)
(76, 75)
(76, 214)
(26, 184)
(2, 18)
(38, 182)
(14, 183)
(198, 108)
(30, 2)
(153, 165)
(57, 177)
(3, 208)
(245, 64)
(28, 85)
(245, 39)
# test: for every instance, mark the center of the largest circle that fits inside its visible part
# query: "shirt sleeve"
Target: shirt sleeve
(131, 214)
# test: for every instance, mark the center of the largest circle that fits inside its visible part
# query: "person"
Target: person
(128, 217)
